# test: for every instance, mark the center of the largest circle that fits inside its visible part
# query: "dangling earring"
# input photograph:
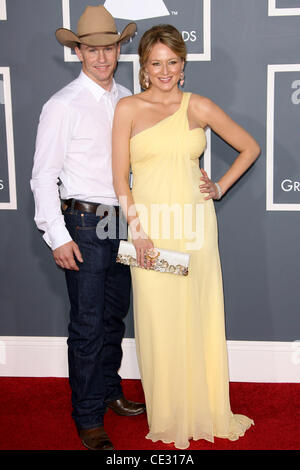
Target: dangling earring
(146, 80)
(181, 79)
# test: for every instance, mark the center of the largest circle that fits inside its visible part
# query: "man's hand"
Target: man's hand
(64, 256)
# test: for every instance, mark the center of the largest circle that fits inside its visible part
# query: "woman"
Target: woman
(179, 321)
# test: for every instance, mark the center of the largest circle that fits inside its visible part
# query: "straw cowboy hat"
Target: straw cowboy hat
(96, 27)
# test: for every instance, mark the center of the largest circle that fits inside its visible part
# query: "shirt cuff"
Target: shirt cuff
(57, 237)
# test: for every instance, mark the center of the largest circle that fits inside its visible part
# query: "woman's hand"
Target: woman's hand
(142, 243)
(208, 187)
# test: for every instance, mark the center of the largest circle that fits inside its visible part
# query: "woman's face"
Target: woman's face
(163, 67)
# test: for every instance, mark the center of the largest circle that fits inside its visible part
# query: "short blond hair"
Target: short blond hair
(167, 35)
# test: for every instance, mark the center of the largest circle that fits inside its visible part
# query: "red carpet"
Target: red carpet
(35, 414)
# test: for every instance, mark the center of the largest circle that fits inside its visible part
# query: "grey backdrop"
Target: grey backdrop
(259, 248)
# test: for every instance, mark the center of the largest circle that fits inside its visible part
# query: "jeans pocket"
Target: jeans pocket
(86, 234)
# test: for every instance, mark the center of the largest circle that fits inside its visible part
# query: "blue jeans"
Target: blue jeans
(99, 296)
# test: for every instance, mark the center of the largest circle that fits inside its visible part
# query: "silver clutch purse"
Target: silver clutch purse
(164, 261)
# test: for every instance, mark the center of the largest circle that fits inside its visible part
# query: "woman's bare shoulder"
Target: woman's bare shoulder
(200, 102)
(132, 101)
(202, 108)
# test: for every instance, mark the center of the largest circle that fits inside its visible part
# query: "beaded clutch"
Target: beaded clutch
(164, 261)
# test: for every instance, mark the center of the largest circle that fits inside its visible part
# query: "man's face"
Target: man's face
(99, 62)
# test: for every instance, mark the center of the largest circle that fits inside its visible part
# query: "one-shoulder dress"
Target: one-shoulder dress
(179, 320)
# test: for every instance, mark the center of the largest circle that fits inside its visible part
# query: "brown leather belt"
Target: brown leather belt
(86, 206)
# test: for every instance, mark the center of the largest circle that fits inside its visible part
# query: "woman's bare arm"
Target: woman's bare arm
(122, 126)
(208, 113)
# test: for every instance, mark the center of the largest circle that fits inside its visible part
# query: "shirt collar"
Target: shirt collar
(96, 89)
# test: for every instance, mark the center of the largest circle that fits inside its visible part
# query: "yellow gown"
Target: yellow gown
(179, 321)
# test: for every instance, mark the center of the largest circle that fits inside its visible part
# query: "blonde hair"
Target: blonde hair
(167, 35)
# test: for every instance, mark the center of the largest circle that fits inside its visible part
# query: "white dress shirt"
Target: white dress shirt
(73, 146)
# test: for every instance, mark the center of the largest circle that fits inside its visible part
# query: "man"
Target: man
(73, 153)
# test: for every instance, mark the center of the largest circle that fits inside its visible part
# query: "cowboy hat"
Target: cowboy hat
(96, 27)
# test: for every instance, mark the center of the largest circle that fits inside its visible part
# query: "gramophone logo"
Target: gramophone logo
(135, 10)
(193, 22)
